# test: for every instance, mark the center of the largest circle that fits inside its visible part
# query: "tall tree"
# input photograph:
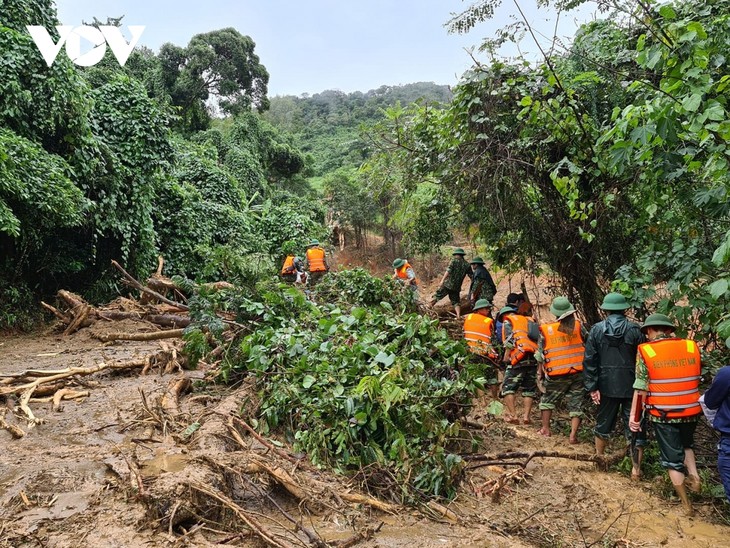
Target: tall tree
(220, 65)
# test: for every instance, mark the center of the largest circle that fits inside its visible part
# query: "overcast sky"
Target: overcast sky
(312, 45)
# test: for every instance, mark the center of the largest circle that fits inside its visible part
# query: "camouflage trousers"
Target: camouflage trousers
(566, 387)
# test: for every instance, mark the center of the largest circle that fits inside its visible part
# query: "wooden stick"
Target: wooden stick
(134, 283)
(151, 336)
(369, 501)
(262, 440)
(56, 312)
(495, 459)
(241, 513)
(15, 431)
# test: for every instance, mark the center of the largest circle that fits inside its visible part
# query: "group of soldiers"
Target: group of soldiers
(642, 372)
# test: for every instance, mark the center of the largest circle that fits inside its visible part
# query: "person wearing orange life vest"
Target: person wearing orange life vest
(404, 272)
(668, 371)
(560, 360)
(316, 262)
(292, 269)
(480, 336)
(519, 339)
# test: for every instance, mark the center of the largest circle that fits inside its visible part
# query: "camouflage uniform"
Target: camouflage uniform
(458, 269)
(482, 286)
(672, 440)
(569, 387)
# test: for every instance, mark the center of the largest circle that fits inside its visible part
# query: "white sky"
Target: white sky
(313, 45)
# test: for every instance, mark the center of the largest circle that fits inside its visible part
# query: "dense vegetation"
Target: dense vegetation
(354, 378)
(123, 163)
(606, 163)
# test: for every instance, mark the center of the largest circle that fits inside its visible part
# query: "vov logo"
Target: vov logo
(71, 37)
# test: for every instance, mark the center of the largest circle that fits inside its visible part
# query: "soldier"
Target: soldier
(480, 337)
(403, 271)
(609, 367)
(668, 372)
(519, 339)
(482, 286)
(452, 279)
(316, 262)
(560, 360)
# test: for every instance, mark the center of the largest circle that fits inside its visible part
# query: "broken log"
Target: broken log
(165, 320)
(152, 336)
(15, 431)
(511, 457)
(170, 400)
(56, 312)
(137, 285)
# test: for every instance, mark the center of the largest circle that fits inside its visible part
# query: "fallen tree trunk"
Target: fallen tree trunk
(514, 456)
(165, 320)
(152, 336)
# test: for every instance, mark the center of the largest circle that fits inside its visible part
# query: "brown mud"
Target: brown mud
(94, 473)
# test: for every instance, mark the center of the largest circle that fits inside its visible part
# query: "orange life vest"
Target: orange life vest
(674, 377)
(315, 259)
(288, 267)
(523, 345)
(563, 351)
(478, 330)
(402, 273)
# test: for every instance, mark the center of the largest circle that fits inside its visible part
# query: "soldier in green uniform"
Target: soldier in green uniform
(452, 279)
(482, 286)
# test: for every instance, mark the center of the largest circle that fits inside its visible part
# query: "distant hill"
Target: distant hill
(326, 125)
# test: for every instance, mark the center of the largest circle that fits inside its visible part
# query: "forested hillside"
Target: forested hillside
(329, 125)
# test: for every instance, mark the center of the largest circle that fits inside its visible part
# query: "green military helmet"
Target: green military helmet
(561, 308)
(398, 263)
(459, 251)
(505, 310)
(615, 301)
(312, 242)
(477, 260)
(481, 303)
(657, 320)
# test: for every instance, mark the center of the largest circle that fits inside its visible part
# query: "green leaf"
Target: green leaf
(692, 103)
(385, 358)
(718, 288)
(667, 12)
(495, 408)
(308, 381)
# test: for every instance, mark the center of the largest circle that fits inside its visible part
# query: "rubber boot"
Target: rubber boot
(682, 494)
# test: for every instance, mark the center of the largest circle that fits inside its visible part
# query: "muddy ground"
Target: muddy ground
(67, 482)
(89, 474)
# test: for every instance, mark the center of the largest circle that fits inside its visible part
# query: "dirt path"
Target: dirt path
(67, 483)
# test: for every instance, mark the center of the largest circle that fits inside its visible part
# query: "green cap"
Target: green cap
(458, 251)
(657, 320)
(398, 263)
(561, 307)
(615, 301)
(477, 260)
(505, 310)
(312, 242)
(482, 303)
